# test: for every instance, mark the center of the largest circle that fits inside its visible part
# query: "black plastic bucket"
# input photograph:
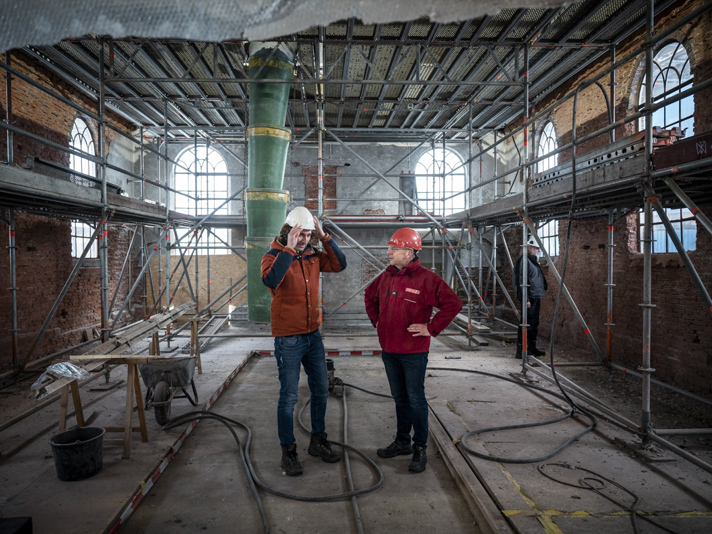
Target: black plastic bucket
(78, 453)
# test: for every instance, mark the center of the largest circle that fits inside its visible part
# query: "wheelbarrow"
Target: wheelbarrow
(163, 378)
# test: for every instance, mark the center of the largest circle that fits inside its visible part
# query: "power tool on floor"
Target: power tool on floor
(336, 385)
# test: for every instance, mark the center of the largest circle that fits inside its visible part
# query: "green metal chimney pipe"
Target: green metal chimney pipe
(267, 145)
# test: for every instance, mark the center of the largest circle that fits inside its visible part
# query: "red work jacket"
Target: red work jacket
(397, 299)
(293, 281)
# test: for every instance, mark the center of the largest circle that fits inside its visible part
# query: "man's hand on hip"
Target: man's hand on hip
(419, 329)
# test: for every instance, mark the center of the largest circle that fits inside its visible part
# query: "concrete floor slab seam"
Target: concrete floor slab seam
(148, 481)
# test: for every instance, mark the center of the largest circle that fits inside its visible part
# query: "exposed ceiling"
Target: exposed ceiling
(390, 81)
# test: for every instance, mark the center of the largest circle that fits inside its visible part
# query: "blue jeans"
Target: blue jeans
(291, 353)
(406, 377)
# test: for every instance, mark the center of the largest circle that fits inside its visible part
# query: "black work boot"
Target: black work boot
(417, 464)
(395, 449)
(321, 447)
(290, 460)
(536, 352)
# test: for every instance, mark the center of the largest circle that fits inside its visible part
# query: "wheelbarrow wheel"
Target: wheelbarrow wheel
(161, 393)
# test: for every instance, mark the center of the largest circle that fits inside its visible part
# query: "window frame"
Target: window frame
(676, 216)
(685, 79)
(450, 167)
(548, 232)
(197, 183)
(81, 140)
(548, 142)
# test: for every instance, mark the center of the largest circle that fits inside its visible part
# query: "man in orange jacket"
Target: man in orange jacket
(290, 269)
(399, 304)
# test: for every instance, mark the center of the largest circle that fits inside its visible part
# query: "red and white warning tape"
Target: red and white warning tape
(333, 352)
(149, 481)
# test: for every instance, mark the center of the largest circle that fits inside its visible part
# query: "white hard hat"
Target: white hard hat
(531, 242)
(301, 216)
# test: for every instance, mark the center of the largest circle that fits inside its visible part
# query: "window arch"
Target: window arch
(201, 172)
(440, 176)
(671, 75)
(80, 139)
(547, 144)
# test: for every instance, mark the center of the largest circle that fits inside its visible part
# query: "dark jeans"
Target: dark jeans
(406, 377)
(532, 329)
(292, 352)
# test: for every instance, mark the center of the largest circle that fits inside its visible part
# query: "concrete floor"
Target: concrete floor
(204, 487)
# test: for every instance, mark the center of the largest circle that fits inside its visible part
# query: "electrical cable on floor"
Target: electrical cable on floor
(561, 447)
(347, 461)
(367, 391)
(596, 483)
(254, 480)
(244, 454)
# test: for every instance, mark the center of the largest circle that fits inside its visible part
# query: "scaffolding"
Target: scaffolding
(623, 175)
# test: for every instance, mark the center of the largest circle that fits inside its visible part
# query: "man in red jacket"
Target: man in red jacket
(290, 269)
(399, 304)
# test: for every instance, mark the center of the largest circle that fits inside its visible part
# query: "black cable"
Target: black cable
(561, 447)
(369, 392)
(598, 484)
(188, 417)
(244, 456)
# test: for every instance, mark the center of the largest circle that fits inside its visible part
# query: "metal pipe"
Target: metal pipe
(60, 297)
(679, 193)
(683, 431)
(12, 250)
(680, 452)
(135, 285)
(609, 290)
(699, 284)
(164, 164)
(230, 300)
(221, 295)
(181, 257)
(8, 109)
(564, 289)
(123, 270)
(645, 369)
(663, 384)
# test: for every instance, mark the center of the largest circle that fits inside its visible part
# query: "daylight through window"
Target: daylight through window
(80, 140)
(441, 182)
(202, 173)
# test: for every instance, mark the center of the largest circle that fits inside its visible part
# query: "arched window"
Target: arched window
(547, 144)
(549, 235)
(440, 182)
(80, 139)
(206, 180)
(548, 232)
(671, 76)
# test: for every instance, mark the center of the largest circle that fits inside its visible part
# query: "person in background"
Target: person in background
(535, 292)
(291, 269)
(400, 303)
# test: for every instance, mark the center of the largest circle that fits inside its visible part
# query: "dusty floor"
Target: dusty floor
(204, 488)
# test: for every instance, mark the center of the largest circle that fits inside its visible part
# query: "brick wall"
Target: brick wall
(43, 259)
(681, 324)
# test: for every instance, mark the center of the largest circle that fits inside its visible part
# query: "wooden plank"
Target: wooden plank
(487, 514)
(484, 342)
(479, 327)
(112, 358)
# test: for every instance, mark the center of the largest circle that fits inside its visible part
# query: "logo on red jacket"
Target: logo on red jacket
(411, 290)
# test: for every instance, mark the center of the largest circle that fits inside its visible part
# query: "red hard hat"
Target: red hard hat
(406, 238)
